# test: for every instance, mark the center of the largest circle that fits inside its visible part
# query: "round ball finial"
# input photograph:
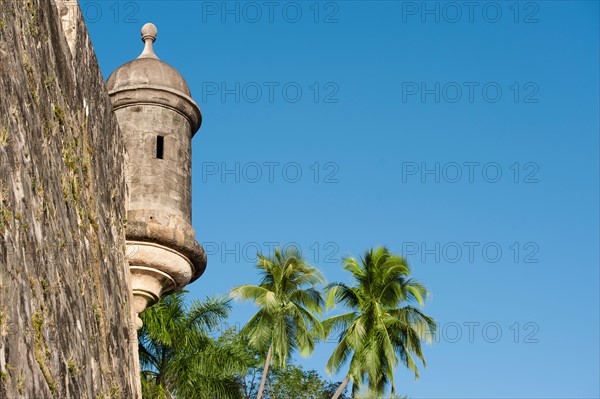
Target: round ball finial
(149, 31)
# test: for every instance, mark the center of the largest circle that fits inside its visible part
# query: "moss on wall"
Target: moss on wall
(65, 321)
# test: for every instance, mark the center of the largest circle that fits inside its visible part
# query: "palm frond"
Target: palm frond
(208, 314)
(338, 323)
(310, 298)
(338, 357)
(342, 294)
(248, 292)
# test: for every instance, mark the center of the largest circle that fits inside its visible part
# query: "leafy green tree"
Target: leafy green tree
(378, 331)
(178, 357)
(293, 382)
(288, 301)
(332, 387)
(250, 382)
(370, 395)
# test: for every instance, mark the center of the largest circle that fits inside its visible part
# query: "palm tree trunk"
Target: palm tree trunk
(341, 388)
(265, 371)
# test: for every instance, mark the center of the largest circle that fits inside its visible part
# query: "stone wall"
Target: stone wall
(65, 322)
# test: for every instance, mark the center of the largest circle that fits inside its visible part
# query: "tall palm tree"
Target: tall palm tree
(179, 358)
(378, 331)
(288, 301)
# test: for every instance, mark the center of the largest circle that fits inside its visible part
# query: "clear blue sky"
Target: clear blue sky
(448, 134)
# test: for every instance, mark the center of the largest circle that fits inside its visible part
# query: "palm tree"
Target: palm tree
(378, 330)
(179, 358)
(288, 300)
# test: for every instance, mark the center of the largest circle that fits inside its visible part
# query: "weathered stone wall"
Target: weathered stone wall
(65, 321)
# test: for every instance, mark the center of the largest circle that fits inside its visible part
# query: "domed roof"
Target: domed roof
(145, 72)
(147, 69)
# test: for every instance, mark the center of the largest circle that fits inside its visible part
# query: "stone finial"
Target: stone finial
(149, 33)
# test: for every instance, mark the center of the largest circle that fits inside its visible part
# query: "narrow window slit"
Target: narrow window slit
(160, 146)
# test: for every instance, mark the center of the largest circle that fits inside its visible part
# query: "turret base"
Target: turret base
(155, 270)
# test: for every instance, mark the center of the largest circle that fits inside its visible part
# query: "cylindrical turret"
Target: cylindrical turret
(158, 119)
